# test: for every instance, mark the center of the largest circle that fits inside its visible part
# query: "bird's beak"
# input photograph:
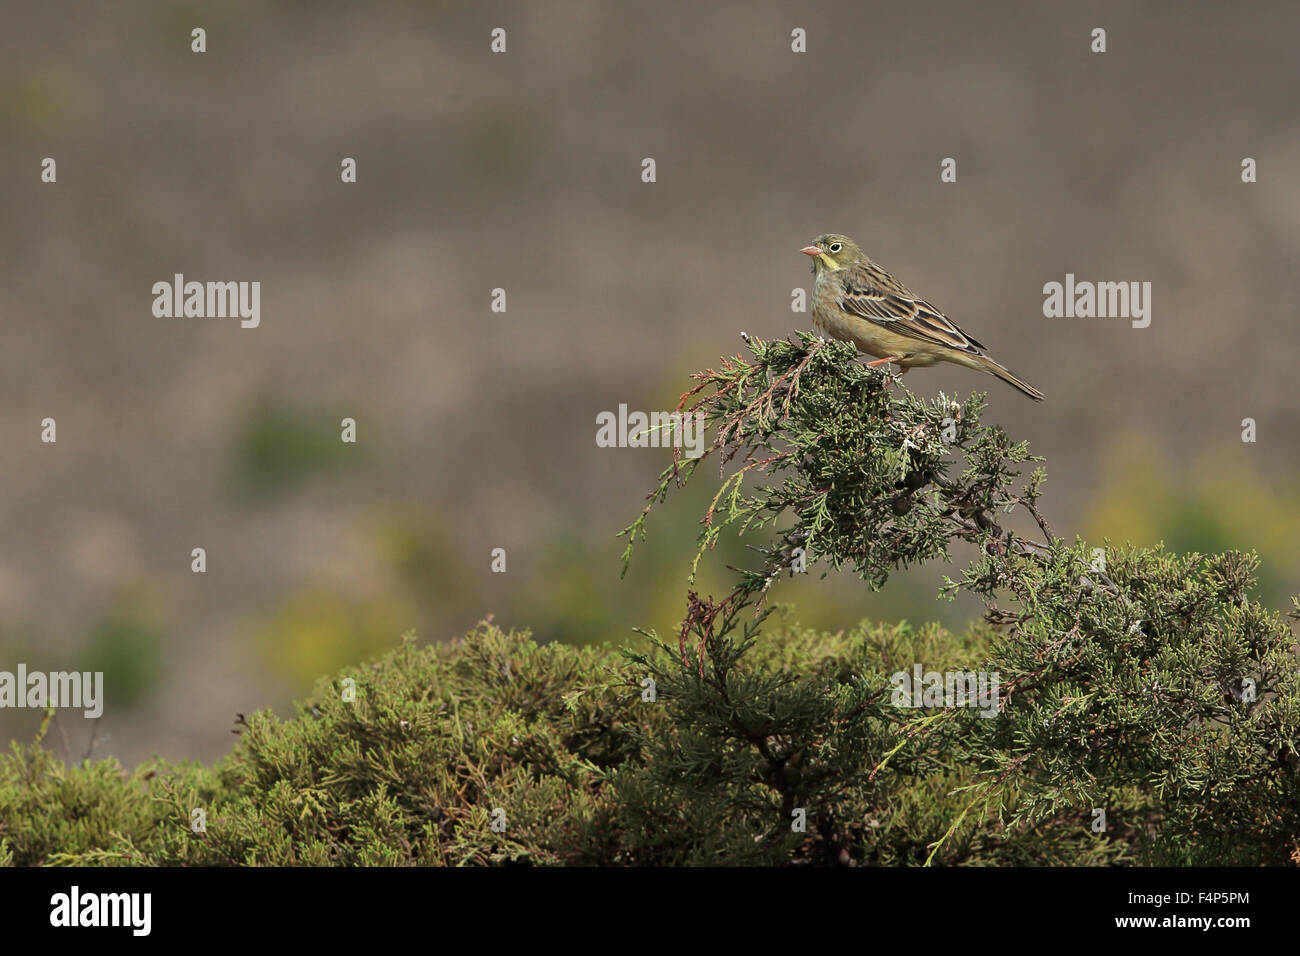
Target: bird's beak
(811, 251)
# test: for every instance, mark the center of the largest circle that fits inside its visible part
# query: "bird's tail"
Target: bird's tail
(1008, 376)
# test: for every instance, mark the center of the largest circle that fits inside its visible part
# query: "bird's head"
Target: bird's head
(831, 252)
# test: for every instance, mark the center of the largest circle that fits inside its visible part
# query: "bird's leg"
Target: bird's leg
(902, 370)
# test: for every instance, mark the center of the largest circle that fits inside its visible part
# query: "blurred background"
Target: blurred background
(522, 171)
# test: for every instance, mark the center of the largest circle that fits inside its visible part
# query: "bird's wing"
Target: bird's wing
(871, 293)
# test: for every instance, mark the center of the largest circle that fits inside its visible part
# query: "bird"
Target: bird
(856, 300)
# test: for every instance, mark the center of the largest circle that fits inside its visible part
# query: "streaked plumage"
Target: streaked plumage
(855, 300)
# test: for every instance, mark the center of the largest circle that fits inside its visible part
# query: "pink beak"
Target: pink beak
(811, 251)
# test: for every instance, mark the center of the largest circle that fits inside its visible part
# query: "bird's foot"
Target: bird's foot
(896, 377)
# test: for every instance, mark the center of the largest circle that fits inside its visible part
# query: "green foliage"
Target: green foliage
(127, 644)
(805, 722)
(1207, 505)
(279, 447)
(1141, 683)
(560, 739)
(407, 773)
(857, 466)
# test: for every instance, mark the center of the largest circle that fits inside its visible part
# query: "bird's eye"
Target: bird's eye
(836, 246)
